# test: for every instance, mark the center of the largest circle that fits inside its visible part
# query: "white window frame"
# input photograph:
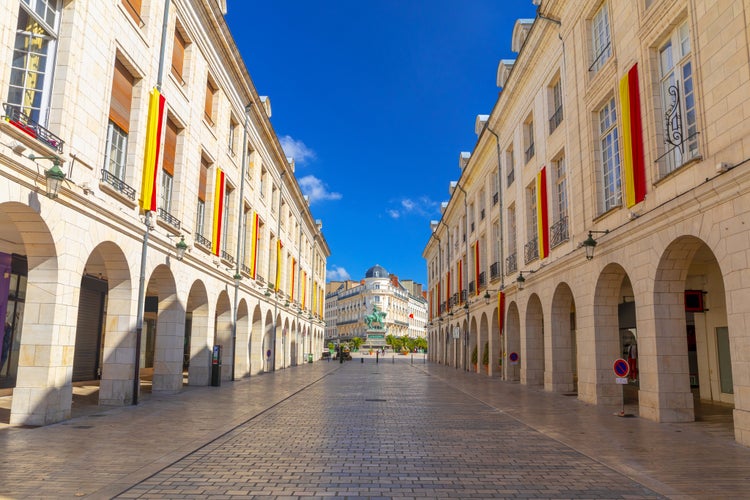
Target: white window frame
(200, 217)
(610, 176)
(561, 188)
(116, 151)
(601, 41)
(167, 184)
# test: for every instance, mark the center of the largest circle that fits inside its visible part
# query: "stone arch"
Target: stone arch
(255, 343)
(473, 346)
(532, 344)
(164, 331)
(242, 357)
(562, 375)
(267, 353)
(513, 341)
(496, 344)
(198, 343)
(484, 345)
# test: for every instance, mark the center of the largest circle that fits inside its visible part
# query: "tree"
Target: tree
(356, 343)
(486, 354)
(474, 356)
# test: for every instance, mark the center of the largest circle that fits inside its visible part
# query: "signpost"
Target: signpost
(513, 358)
(621, 369)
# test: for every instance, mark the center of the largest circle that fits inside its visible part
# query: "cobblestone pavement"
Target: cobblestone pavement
(367, 430)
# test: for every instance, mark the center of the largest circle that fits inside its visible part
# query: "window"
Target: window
(178, 55)
(482, 209)
(119, 122)
(559, 228)
(528, 139)
(510, 165)
(601, 47)
(225, 218)
(133, 7)
(33, 58)
(168, 161)
(610, 183)
(678, 101)
(556, 111)
(511, 262)
(231, 140)
(495, 187)
(166, 191)
(471, 218)
(261, 186)
(208, 108)
(531, 216)
(200, 217)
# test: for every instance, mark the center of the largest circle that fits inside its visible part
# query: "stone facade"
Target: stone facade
(260, 291)
(559, 152)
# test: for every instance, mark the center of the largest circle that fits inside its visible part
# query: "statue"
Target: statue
(376, 317)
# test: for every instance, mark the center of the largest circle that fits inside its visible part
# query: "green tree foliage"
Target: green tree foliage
(357, 342)
(474, 356)
(486, 354)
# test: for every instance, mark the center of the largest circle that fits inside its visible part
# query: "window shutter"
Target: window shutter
(202, 180)
(122, 95)
(134, 9)
(209, 104)
(170, 147)
(178, 54)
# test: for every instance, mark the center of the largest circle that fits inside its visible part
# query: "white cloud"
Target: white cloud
(296, 149)
(422, 207)
(316, 189)
(336, 273)
(394, 214)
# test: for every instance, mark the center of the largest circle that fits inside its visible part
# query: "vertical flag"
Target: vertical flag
(153, 145)
(542, 218)
(254, 246)
(500, 311)
(632, 138)
(218, 212)
(476, 265)
(279, 246)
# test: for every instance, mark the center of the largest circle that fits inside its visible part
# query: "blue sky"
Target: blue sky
(375, 100)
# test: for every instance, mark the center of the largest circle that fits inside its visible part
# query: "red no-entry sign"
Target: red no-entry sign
(621, 368)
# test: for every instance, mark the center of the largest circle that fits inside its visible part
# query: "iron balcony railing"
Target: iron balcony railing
(202, 241)
(23, 122)
(511, 264)
(482, 280)
(511, 176)
(555, 119)
(558, 232)
(168, 218)
(531, 251)
(472, 287)
(494, 270)
(246, 269)
(117, 184)
(227, 257)
(495, 199)
(463, 295)
(529, 153)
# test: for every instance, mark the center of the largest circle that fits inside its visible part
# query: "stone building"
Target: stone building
(348, 302)
(602, 211)
(178, 224)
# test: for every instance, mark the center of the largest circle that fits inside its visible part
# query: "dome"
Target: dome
(376, 271)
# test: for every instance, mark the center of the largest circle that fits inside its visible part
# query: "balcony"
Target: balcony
(531, 251)
(118, 185)
(202, 241)
(555, 119)
(511, 176)
(511, 264)
(494, 270)
(482, 280)
(495, 199)
(559, 232)
(168, 218)
(245, 269)
(529, 153)
(24, 123)
(472, 287)
(227, 257)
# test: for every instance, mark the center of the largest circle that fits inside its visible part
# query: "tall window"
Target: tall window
(178, 55)
(561, 188)
(261, 186)
(601, 47)
(511, 261)
(531, 222)
(34, 58)
(678, 101)
(119, 122)
(200, 216)
(167, 176)
(609, 150)
(482, 201)
(232, 137)
(528, 139)
(225, 218)
(133, 7)
(208, 108)
(510, 165)
(556, 105)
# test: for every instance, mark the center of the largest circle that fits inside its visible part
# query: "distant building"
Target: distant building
(348, 302)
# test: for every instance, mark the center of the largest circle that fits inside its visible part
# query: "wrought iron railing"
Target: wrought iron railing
(117, 184)
(482, 214)
(494, 270)
(495, 198)
(531, 250)
(472, 287)
(482, 279)
(529, 153)
(245, 269)
(558, 232)
(511, 176)
(168, 218)
(259, 278)
(227, 257)
(464, 295)
(511, 264)
(23, 122)
(555, 119)
(202, 241)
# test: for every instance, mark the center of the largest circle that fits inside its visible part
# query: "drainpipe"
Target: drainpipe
(466, 306)
(144, 247)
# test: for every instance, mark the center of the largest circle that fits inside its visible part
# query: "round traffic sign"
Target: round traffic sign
(268, 353)
(513, 357)
(621, 368)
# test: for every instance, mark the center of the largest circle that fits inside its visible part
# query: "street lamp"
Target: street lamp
(590, 243)
(521, 281)
(53, 176)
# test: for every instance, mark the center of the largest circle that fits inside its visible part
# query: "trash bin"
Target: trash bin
(216, 366)
(309, 358)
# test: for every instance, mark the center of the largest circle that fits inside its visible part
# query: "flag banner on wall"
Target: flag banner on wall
(500, 311)
(279, 246)
(542, 216)
(154, 123)
(632, 135)
(254, 243)
(476, 265)
(218, 212)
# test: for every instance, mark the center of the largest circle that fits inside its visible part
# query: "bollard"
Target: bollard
(362, 360)
(377, 357)
(393, 358)
(412, 358)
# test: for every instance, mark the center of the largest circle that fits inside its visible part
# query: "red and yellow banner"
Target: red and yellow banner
(154, 124)
(218, 212)
(542, 215)
(254, 245)
(279, 246)
(500, 311)
(632, 138)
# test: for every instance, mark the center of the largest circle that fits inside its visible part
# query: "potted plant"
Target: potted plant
(486, 356)
(474, 358)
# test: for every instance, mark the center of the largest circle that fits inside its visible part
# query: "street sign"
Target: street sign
(621, 368)
(621, 381)
(513, 357)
